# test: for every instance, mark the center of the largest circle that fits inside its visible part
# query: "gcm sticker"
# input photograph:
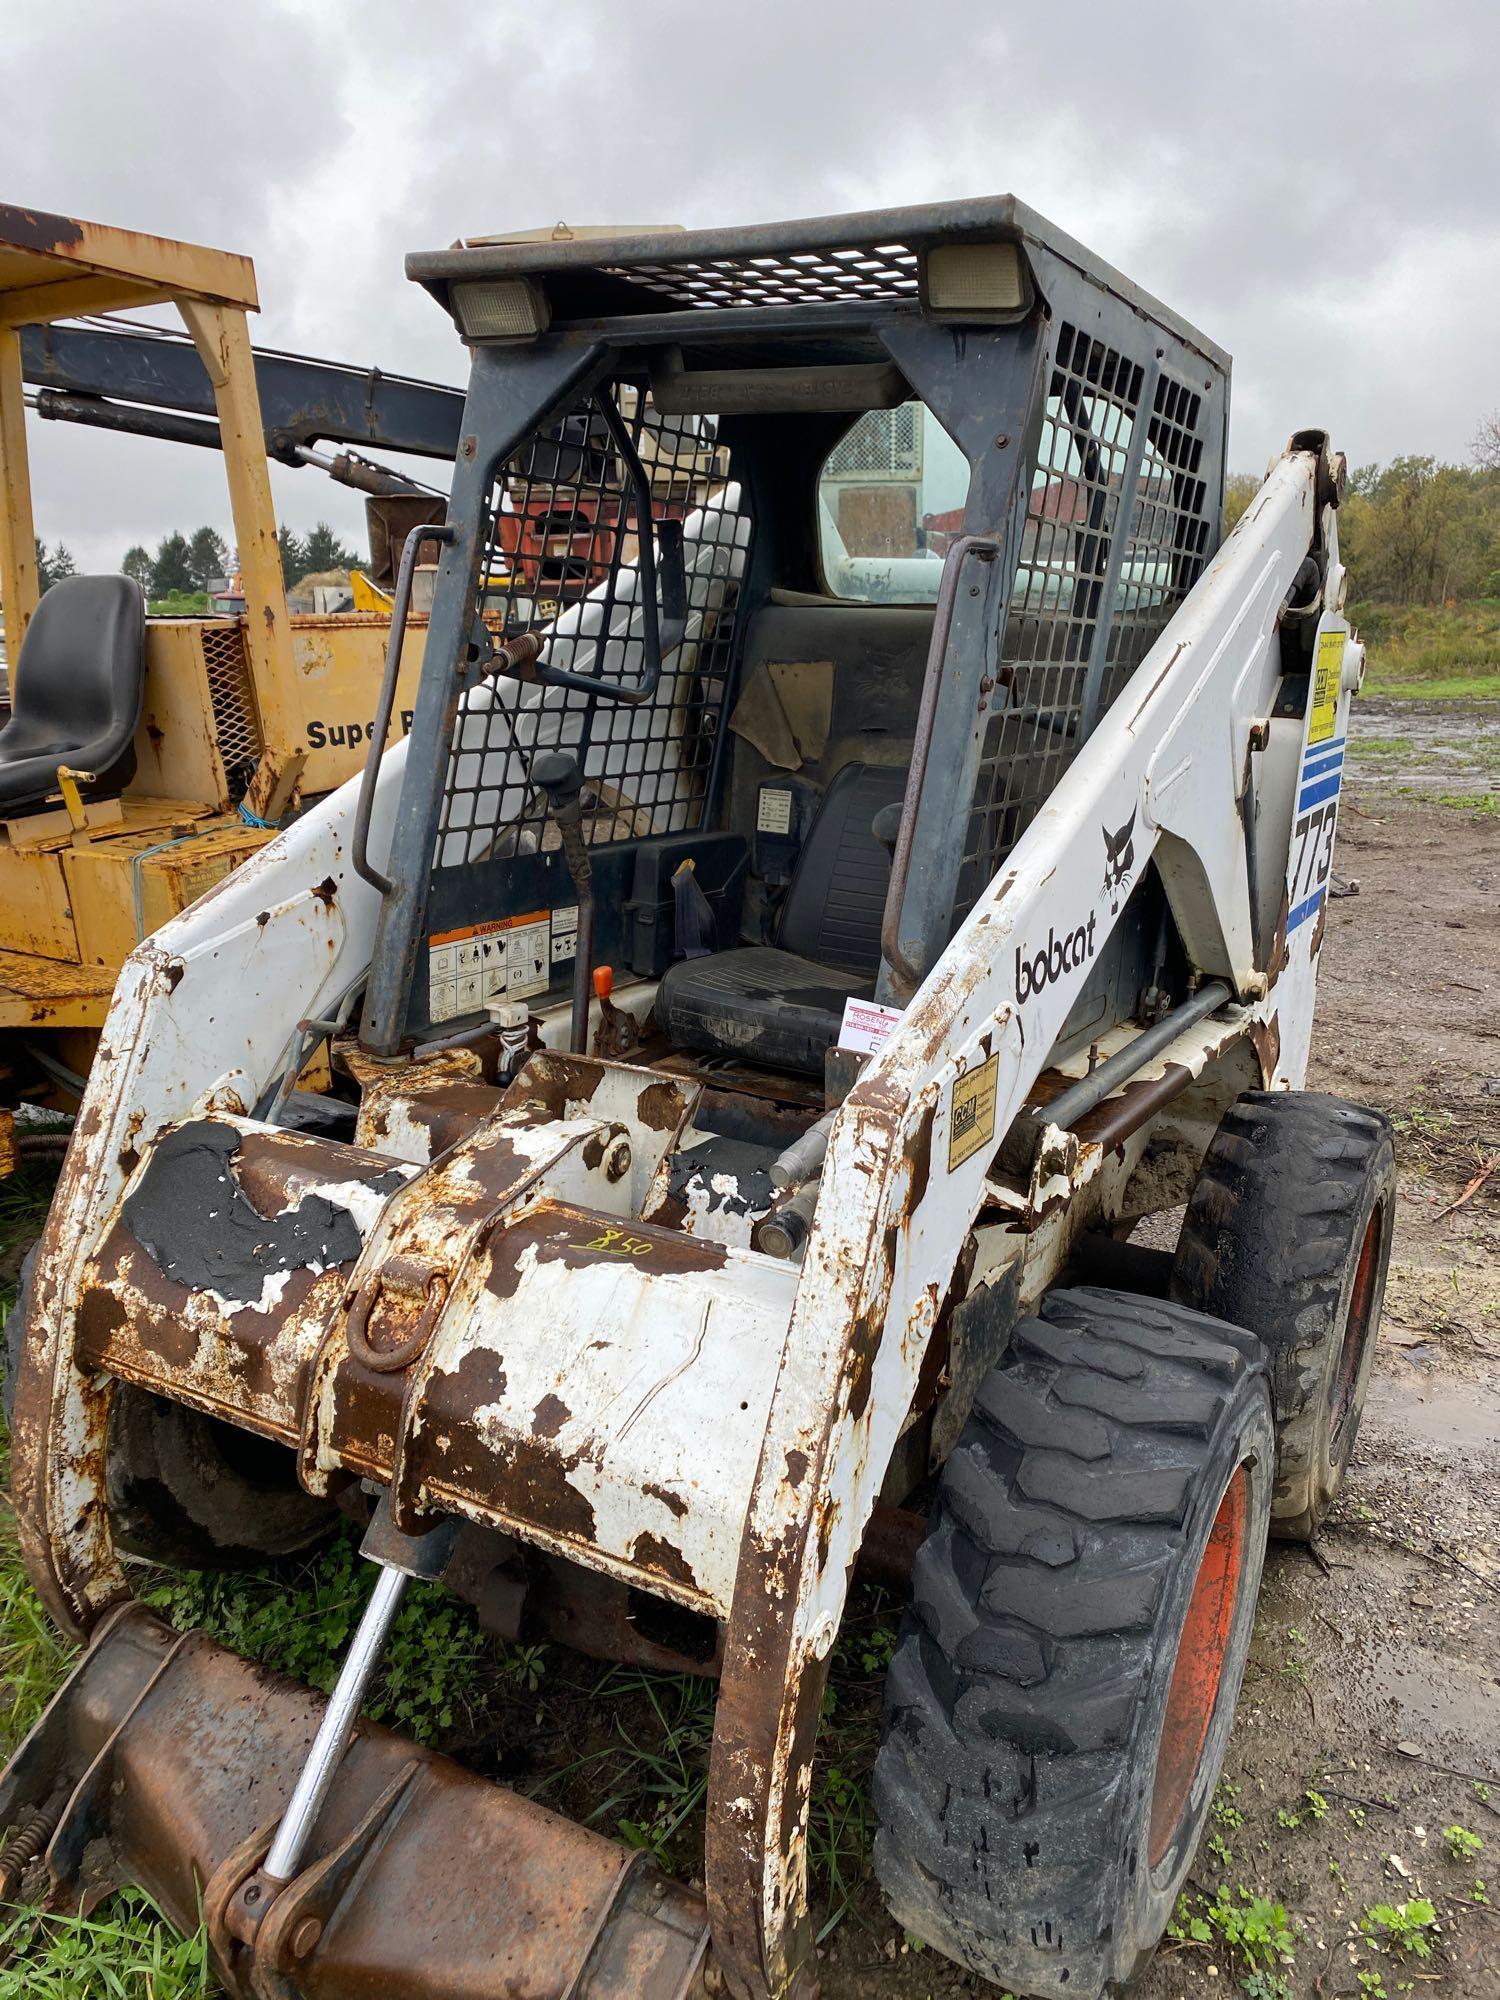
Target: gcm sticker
(1327, 674)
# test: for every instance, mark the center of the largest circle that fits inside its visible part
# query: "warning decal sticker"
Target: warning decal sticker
(509, 958)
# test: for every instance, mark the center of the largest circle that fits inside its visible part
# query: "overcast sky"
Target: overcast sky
(1316, 185)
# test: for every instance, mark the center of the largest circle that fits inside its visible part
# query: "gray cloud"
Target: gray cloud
(1316, 186)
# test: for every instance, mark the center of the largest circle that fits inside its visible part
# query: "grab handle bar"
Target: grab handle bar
(399, 610)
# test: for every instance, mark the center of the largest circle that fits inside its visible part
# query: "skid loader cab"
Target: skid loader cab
(948, 396)
(765, 987)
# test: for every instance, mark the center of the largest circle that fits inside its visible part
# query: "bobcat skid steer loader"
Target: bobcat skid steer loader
(763, 1000)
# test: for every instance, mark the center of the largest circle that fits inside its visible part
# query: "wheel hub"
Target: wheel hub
(1199, 1667)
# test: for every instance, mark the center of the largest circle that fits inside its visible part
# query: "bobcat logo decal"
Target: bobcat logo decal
(1119, 861)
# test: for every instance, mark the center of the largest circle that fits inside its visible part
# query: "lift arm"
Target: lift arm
(303, 401)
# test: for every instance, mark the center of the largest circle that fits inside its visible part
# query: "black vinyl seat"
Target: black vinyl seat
(782, 1005)
(75, 691)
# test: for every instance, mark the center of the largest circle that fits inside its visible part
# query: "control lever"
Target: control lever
(556, 774)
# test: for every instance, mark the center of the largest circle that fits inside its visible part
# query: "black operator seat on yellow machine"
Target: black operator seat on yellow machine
(75, 692)
(781, 1005)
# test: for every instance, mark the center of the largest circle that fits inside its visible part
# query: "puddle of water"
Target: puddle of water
(1415, 1694)
(1462, 1416)
(1449, 751)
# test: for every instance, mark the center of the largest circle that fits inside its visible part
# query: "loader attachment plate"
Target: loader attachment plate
(167, 1761)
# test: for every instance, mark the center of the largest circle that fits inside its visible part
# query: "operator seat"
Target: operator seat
(75, 692)
(781, 1005)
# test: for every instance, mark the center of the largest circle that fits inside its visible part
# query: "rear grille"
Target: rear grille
(226, 663)
(884, 444)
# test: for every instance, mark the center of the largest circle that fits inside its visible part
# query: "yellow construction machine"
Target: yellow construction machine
(143, 758)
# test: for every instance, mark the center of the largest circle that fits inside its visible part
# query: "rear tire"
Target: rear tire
(1050, 1748)
(1288, 1232)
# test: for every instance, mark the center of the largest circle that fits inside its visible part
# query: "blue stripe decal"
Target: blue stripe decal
(1324, 749)
(1320, 789)
(1316, 765)
(1303, 911)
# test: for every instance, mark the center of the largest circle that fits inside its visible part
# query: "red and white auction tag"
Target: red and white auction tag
(866, 1026)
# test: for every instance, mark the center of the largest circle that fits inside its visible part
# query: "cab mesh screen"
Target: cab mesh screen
(561, 553)
(1114, 536)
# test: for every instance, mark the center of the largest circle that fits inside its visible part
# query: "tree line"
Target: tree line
(1417, 530)
(185, 565)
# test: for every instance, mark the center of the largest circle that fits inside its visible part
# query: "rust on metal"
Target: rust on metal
(174, 1760)
(1265, 1039)
(1128, 1108)
(1316, 944)
(1280, 956)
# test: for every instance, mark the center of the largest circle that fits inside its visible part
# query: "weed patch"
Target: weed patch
(1255, 1934)
(1401, 1928)
(125, 1949)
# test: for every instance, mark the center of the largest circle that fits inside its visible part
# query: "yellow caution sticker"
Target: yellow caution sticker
(971, 1123)
(1327, 674)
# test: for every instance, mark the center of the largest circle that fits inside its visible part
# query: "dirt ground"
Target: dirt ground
(1375, 1676)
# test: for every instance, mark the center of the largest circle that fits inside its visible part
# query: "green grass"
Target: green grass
(180, 604)
(33, 1658)
(1483, 805)
(1473, 687)
(1445, 652)
(125, 1951)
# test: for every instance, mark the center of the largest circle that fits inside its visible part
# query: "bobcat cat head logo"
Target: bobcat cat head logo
(1119, 860)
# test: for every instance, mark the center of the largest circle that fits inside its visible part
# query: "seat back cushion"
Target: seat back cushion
(836, 899)
(76, 689)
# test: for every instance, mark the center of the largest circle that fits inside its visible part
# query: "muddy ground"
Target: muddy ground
(1375, 1676)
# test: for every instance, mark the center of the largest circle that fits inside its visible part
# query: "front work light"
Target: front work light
(981, 283)
(499, 308)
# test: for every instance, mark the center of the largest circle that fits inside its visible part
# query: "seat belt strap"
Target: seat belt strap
(696, 931)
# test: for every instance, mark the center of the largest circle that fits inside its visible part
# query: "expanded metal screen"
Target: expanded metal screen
(562, 549)
(881, 272)
(1167, 539)
(1068, 597)
(226, 666)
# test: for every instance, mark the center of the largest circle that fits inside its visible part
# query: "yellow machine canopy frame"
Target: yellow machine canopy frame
(55, 267)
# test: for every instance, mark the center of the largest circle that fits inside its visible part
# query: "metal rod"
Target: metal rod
(906, 976)
(1070, 1105)
(804, 1156)
(332, 1739)
(661, 632)
(96, 413)
(387, 702)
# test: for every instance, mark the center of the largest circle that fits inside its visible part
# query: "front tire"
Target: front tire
(1062, 1694)
(1288, 1232)
(183, 1489)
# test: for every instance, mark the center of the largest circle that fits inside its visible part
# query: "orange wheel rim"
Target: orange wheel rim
(1357, 1330)
(1199, 1667)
